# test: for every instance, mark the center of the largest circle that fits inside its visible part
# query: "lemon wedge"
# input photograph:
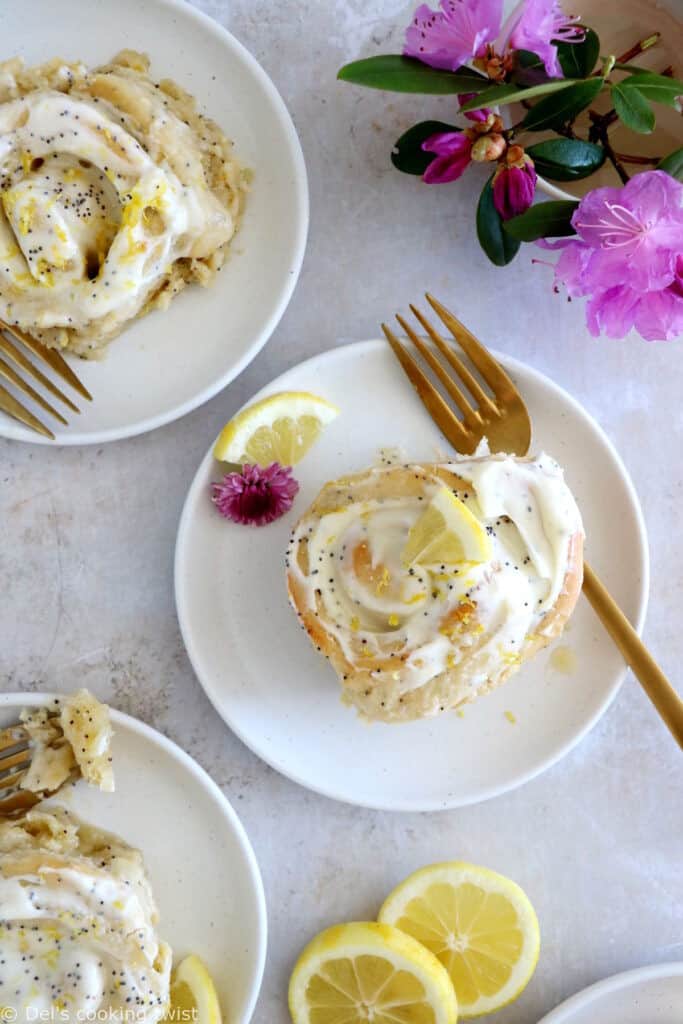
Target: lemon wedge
(360, 972)
(445, 533)
(193, 995)
(280, 428)
(479, 924)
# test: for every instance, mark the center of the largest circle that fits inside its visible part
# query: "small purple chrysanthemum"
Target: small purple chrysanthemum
(257, 495)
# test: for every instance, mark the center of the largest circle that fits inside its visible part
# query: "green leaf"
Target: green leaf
(498, 246)
(655, 88)
(555, 111)
(633, 109)
(579, 59)
(673, 164)
(544, 220)
(527, 59)
(404, 74)
(408, 155)
(566, 159)
(499, 95)
(529, 69)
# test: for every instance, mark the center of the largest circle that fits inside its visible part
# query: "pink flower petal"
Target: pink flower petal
(628, 258)
(449, 37)
(535, 24)
(453, 151)
(659, 317)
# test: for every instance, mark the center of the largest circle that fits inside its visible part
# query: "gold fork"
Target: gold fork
(504, 421)
(15, 759)
(51, 358)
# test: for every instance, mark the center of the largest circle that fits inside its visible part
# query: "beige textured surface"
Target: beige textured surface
(87, 538)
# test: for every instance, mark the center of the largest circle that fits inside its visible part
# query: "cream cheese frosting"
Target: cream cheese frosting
(103, 187)
(408, 625)
(78, 924)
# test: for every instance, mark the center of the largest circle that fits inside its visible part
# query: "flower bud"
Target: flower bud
(514, 185)
(515, 156)
(488, 147)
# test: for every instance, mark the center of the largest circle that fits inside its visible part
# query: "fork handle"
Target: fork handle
(637, 657)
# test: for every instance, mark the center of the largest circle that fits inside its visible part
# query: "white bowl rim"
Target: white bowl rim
(582, 999)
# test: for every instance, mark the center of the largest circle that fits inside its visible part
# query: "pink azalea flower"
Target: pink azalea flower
(627, 257)
(463, 30)
(535, 25)
(454, 154)
(256, 496)
(514, 184)
(451, 36)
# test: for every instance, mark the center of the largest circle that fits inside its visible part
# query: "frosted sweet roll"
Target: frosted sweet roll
(428, 585)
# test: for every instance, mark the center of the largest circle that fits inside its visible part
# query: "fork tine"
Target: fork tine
(22, 801)
(18, 357)
(429, 357)
(22, 757)
(10, 781)
(445, 419)
(14, 408)
(470, 382)
(12, 736)
(490, 368)
(50, 356)
(13, 377)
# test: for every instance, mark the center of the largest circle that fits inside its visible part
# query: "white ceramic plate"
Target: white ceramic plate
(203, 871)
(168, 363)
(650, 995)
(282, 698)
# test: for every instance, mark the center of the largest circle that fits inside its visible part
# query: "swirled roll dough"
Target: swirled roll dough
(114, 194)
(78, 924)
(411, 642)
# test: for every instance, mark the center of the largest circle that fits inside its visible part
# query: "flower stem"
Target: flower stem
(631, 158)
(599, 132)
(640, 47)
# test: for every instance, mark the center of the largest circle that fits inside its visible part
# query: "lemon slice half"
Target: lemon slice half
(446, 532)
(193, 994)
(280, 428)
(479, 924)
(360, 972)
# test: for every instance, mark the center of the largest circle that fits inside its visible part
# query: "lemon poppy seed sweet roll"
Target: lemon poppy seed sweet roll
(114, 194)
(427, 585)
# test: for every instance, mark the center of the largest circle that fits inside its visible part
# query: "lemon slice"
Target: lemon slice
(280, 428)
(193, 995)
(355, 973)
(479, 924)
(446, 532)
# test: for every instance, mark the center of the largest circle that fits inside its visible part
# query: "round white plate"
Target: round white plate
(166, 364)
(282, 698)
(649, 995)
(204, 875)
